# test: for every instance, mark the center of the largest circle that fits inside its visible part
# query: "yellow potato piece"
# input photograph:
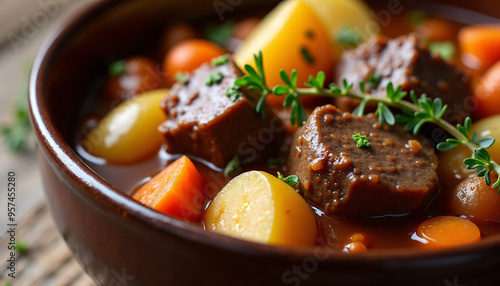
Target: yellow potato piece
(489, 127)
(129, 133)
(285, 36)
(259, 207)
(451, 169)
(337, 14)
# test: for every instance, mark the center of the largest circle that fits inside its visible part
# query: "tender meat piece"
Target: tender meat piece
(204, 122)
(396, 175)
(403, 61)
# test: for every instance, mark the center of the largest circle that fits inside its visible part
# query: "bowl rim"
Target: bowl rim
(101, 192)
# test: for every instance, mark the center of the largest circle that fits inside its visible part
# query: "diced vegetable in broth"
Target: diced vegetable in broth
(188, 55)
(290, 37)
(473, 199)
(489, 127)
(487, 92)
(129, 133)
(447, 231)
(339, 15)
(480, 45)
(259, 207)
(178, 191)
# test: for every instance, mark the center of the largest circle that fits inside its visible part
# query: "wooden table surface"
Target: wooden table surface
(24, 24)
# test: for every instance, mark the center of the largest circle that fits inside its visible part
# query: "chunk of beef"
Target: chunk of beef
(404, 61)
(203, 121)
(395, 175)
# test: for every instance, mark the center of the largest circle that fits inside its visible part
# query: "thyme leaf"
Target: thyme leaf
(291, 180)
(361, 140)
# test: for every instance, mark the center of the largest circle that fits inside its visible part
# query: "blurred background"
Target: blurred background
(42, 255)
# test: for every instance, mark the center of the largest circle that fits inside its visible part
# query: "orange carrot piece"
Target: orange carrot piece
(480, 45)
(176, 191)
(355, 247)
(487, 92)
(448, 231)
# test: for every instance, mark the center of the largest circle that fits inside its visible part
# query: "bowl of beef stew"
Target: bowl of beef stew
(301, 142)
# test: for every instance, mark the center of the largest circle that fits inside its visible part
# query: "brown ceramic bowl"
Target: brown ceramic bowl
(120, 242)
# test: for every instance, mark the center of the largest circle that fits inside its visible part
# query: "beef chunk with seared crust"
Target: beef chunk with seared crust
(404, 61)
(203, 121)
(395, 175)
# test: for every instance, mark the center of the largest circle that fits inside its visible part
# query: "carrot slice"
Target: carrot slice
(448, 231)
(175, 191)
(480, 45)
(487, 92)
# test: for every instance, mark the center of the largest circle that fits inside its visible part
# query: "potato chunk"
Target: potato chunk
(129, 133)
(290, 37)
(259, 207)
(341, 14)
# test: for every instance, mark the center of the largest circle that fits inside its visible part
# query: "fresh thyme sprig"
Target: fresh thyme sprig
(255, 80)
(415, 114)
(298, 114)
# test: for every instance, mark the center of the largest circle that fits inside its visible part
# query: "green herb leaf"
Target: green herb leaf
(274, 161)
(288, 100)
(280, 90)
(334, 89)
(465, 129)
(221, 60)
(219, 34)
(213, 78)
(291, 180)
(117, 68)
(419, 125)
(361, 140)
(395, 95)
(360, 110)
(285, 78)
(256, 81)
(232, 165)
(293, 79)
(374, 79)
(445, 49)
(306, 55)
(496, 184)
(260, 67)
(449, 144)
(388, 115)
(17, 133)
(346, 87)
(482, 154)
(362, 87)
(320, 80)
(260, 107)
(486, 142)
(417, 17)
(233, 92)
(348, 36)
(241, 81)
(384, 114)
(182, 77)
(21, 247)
